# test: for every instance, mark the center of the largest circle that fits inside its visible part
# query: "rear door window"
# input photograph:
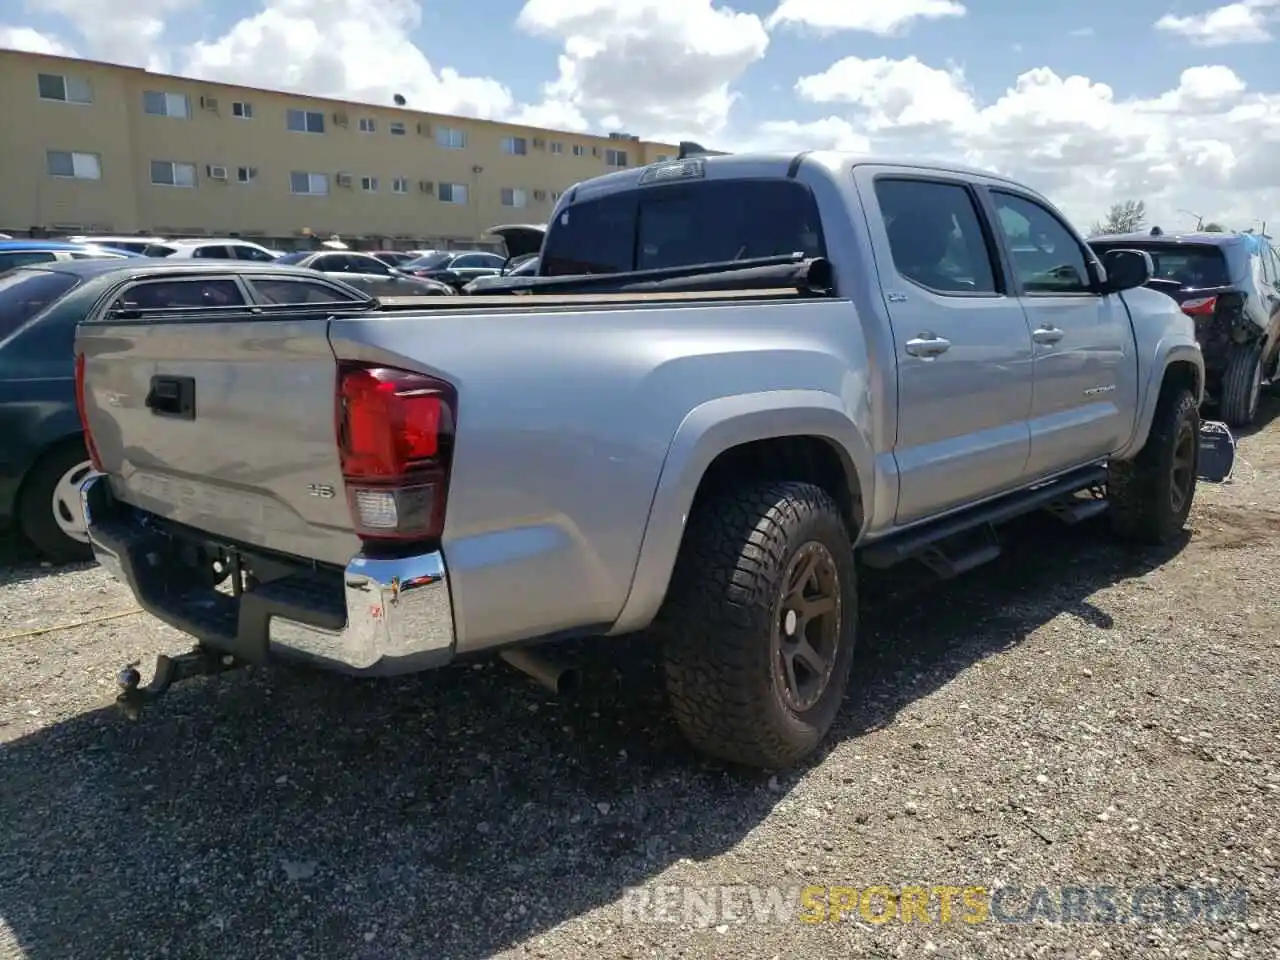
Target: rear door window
(158, 250)
(25, 293)
(213, 253)
(186, 294)
(935, 236)
(673, 225)
(251, 253)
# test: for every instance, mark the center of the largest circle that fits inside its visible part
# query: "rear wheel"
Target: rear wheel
(1151, 495)
(49, 510)
(759, 625)
(1242, 384)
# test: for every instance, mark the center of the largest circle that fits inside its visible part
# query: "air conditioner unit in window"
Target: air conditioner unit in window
(340, 119)
(209, 103)
(539, 143)
(427, 186)
(424, 128)
(539, 194)
(216, 172)
(343, 179)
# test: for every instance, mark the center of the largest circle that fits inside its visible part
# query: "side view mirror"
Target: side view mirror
(1126, 269)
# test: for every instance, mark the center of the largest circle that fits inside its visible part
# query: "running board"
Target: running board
(912, 543)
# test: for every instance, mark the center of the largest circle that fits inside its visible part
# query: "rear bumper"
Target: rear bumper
(377, 617)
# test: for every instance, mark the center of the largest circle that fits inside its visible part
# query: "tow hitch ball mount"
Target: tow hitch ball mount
(200, 662)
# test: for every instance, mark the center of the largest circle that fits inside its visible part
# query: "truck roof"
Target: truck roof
(1210, 237)
(771, 164)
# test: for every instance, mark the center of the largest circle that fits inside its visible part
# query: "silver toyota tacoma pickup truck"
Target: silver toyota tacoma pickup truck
(649, 439)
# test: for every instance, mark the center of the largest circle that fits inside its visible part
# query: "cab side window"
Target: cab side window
(1047, 260)
(935, 236)
(180, 295)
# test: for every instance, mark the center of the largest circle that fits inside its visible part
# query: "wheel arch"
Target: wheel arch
(792, 435)
(1179, 363)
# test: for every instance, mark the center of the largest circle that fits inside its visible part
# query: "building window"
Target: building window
(400, 185)
(368, 125)
(75, 166)
(579, 150)
(615, 158)
(369, 184)
(159, 104)
(515, 197)
(396, 128)
(246, 174)
(309, 184)
(167, 173)
(242, 110)
(54, 86)
(557, 146)
(451, 138)
(516, 146)
(453, 192)
(305, 121)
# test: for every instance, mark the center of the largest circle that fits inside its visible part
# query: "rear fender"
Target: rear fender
(709, 430)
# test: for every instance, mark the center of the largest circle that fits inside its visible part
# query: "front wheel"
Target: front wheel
(759, 625)
(1151, 495)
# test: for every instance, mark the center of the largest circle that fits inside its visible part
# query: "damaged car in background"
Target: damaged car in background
(1229, 284)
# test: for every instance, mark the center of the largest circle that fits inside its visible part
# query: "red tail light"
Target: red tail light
(395, 440)
(1200, 307)
(84, 415)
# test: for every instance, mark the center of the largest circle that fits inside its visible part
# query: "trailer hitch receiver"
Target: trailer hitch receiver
(200, 662)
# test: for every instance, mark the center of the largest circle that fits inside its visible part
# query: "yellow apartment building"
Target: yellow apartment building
(92, 147)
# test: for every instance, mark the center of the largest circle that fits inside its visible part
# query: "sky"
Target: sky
(1173, 102)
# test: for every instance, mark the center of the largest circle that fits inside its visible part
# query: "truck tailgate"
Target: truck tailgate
(238, 438)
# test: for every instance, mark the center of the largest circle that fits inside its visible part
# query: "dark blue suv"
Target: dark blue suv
(1229, 284)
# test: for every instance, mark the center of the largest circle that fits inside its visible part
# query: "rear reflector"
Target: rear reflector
(1200, 307)
(395, 440)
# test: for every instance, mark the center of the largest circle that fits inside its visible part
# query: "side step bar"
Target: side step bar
(914, 543)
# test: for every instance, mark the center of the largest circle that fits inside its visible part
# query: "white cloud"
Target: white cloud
(658, 67)
(349, 48)
(1243, 22)
(33, 41)
(129, 32)
(885, 18)
(1207, 144)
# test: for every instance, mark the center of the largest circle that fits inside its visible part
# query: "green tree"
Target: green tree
(1127, 216)
(1214, 228)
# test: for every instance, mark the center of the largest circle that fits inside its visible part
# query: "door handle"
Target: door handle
(927, 345)
(1047, 334)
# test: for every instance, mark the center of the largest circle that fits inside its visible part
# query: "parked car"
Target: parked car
(856, 368)
(1229, 284)
(367, 273)
(211, 248)
(456, 267)
(18, 253)
(393, 258)
(43, 457)
(132, 244)
(512, 277)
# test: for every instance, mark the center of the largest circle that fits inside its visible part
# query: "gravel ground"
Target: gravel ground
(1075, 714)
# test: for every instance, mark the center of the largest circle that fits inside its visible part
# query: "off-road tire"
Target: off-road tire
(716, 623)
(1241, 390)
(1139, 490)
(35, 513)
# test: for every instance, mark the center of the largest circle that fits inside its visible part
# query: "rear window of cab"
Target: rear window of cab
(680, 224)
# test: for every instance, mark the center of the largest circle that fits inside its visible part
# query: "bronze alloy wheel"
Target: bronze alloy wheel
(1184, 466)
(806, 629)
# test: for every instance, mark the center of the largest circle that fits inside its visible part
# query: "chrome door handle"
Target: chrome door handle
(1047, 334)
(927, 345)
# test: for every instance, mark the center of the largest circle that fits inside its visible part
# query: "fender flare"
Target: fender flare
(708, 431)
(1165, 355)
